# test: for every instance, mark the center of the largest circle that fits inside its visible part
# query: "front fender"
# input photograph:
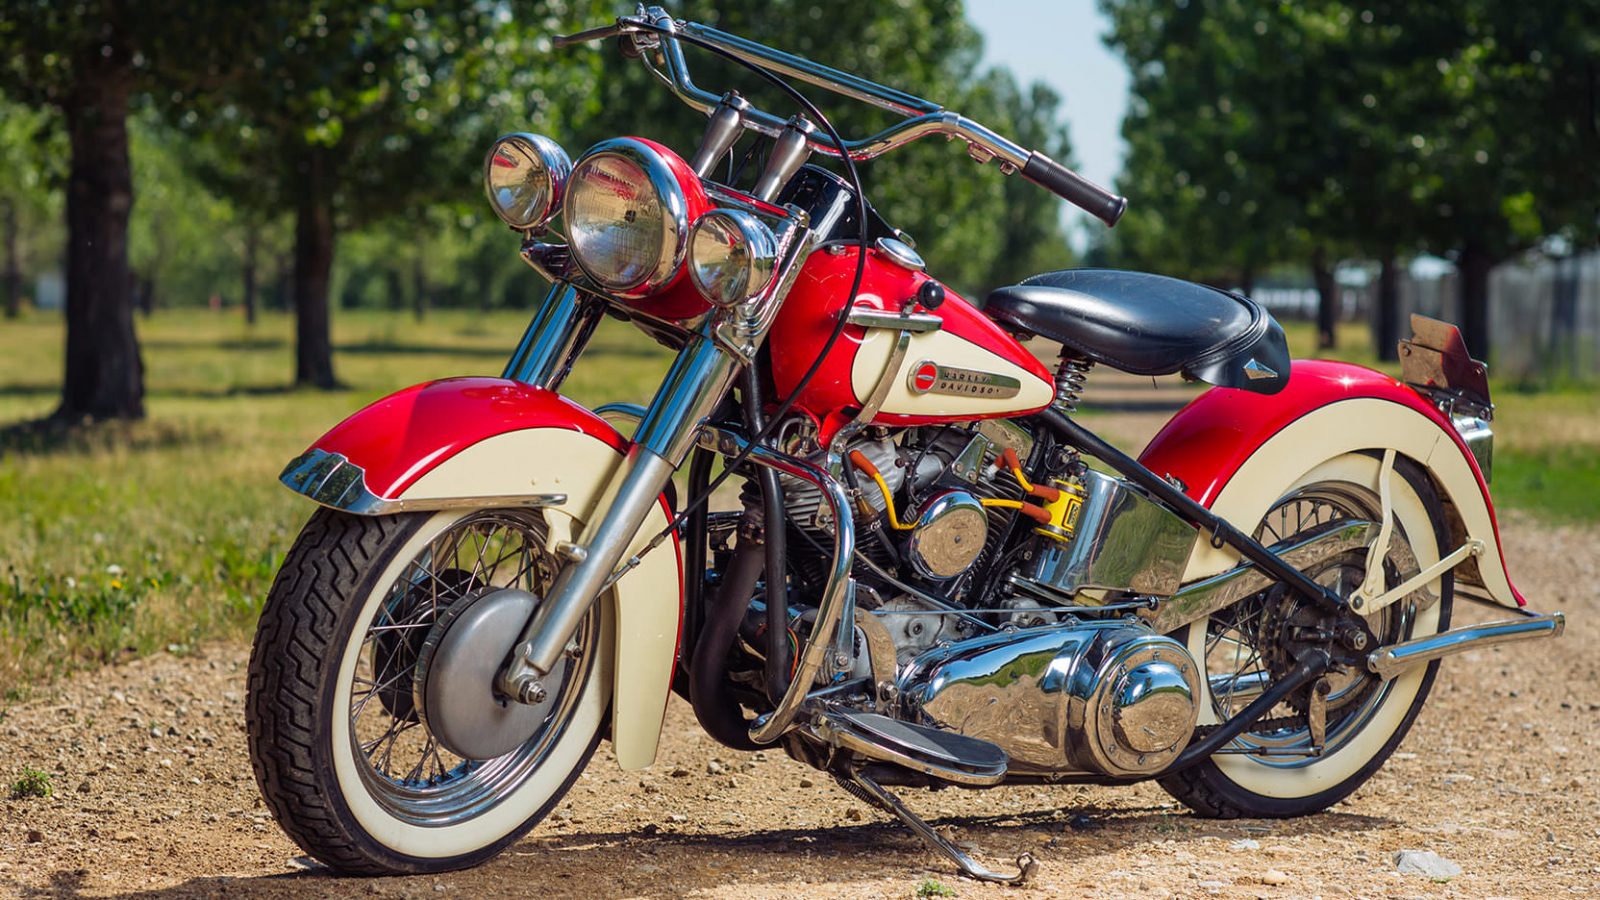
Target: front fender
(1234, 451)
(465, 442)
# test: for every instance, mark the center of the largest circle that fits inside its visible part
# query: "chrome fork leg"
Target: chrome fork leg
(697, 382)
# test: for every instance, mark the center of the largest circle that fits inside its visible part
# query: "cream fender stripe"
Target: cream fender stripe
(646, 607)
(1345, 427)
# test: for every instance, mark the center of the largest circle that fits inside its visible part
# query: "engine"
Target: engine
(1009, 606)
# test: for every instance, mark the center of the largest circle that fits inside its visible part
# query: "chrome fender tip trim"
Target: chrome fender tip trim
(1395, 659)
(332, 480)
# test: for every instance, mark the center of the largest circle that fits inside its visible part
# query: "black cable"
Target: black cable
(863, 242)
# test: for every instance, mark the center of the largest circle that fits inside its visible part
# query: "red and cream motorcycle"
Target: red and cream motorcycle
(938, 577)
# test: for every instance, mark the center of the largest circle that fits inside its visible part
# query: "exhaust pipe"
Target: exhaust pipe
(1394, 659)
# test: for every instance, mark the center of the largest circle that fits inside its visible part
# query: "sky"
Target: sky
(1058, 42)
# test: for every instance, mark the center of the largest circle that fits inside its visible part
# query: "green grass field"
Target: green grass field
(155, 535)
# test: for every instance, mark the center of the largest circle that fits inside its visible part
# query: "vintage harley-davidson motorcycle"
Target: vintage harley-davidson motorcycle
(938, 576)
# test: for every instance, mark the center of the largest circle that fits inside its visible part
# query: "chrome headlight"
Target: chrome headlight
(627, 217)
(731, 256)
(524, 176)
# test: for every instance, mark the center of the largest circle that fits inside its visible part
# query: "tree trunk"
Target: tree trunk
(1473, 267)
(13, 274)
(104, 376)
(1386, 326)
(248, 273)
(313, 265)
(1327, 299)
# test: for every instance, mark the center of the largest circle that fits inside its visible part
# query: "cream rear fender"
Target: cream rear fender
(1235, 452)
(485, 442)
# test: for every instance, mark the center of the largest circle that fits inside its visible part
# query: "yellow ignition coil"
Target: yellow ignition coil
(1063, 510)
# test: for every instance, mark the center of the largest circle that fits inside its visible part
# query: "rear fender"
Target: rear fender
(1235, 452)
(480, 442)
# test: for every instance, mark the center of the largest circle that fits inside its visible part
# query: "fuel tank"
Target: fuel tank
(968, 368)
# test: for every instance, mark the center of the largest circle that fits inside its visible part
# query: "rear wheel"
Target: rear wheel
(339, 732)
(1270, 771)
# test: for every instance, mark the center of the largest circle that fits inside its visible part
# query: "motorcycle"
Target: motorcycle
(937, 576)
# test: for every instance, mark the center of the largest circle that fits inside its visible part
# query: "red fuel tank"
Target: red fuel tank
(969, 368)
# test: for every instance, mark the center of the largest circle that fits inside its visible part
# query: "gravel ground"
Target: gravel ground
(153, 796)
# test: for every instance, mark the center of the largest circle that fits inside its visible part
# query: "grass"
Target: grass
(929, 887)
(32, 784)
(126, 539)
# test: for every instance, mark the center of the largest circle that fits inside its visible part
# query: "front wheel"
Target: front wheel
(1274, 770)
(339, 731)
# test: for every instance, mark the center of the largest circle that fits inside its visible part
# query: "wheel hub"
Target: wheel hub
(456, 670)
(397, 650)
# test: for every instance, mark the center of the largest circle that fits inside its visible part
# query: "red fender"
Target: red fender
(1208, 440)
(402, 437)
(399, 440)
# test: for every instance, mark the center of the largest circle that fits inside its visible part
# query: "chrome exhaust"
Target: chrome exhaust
(1394, 659)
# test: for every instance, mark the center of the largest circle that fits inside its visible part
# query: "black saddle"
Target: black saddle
(1150, 325)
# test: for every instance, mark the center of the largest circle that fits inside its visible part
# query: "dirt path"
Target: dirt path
(153, 796)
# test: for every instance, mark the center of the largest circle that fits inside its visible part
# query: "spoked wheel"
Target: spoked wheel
(1279, 768)
(375, 731)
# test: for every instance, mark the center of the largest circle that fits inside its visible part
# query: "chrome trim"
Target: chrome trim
(828, 730)
(557, 166)
(334, 481)
(1062, 699)
(623, 413)
(675, 206)
(900, 253)
(871, 405)
(1479, 438)
(722, 132)
(741, 328)
(924, 116)
(699, 379)
(832, 600)
(949, 520)
(1198, 599)
(558, 333)
(761, 248)
(915, 323)
(1123, 541)
(1390, 661)
(929, 377)
(787, 155)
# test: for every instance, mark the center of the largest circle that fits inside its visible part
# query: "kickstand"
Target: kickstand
(870, 790)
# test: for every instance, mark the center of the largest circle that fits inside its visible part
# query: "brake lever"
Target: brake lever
(615, 29)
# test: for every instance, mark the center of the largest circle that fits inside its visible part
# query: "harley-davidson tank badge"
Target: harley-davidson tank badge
(928, 377)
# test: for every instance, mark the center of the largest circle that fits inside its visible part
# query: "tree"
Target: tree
(359, 112)
(28, 194)
(88, 61)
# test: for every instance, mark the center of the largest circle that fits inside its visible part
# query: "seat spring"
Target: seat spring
(1071, 376)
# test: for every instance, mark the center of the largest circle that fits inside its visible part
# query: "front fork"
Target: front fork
(694, 387)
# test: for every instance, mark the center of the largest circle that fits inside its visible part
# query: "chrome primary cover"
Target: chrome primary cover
(1109, 698)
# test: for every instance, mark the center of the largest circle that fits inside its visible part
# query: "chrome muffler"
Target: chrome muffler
(1395, 659)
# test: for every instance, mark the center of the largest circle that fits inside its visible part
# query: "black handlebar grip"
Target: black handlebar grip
(1074, 188)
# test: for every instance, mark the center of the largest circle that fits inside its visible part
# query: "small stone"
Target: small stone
(1273, 876)
(714, 768)
(156, 732)
(304, 862)
(807, 782)
(1426, 863)
(1245, 844)
(677, 818)
(680, 772)
(84, 787)
(124, 836)
(853, 814)
(35, 836)
(1081, 822)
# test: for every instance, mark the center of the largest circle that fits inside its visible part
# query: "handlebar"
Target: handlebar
(656, 30)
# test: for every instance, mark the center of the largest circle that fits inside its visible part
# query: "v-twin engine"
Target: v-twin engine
(1111, 698)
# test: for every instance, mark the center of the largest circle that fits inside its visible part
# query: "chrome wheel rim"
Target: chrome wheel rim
(401, 763)
(1236, 668)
